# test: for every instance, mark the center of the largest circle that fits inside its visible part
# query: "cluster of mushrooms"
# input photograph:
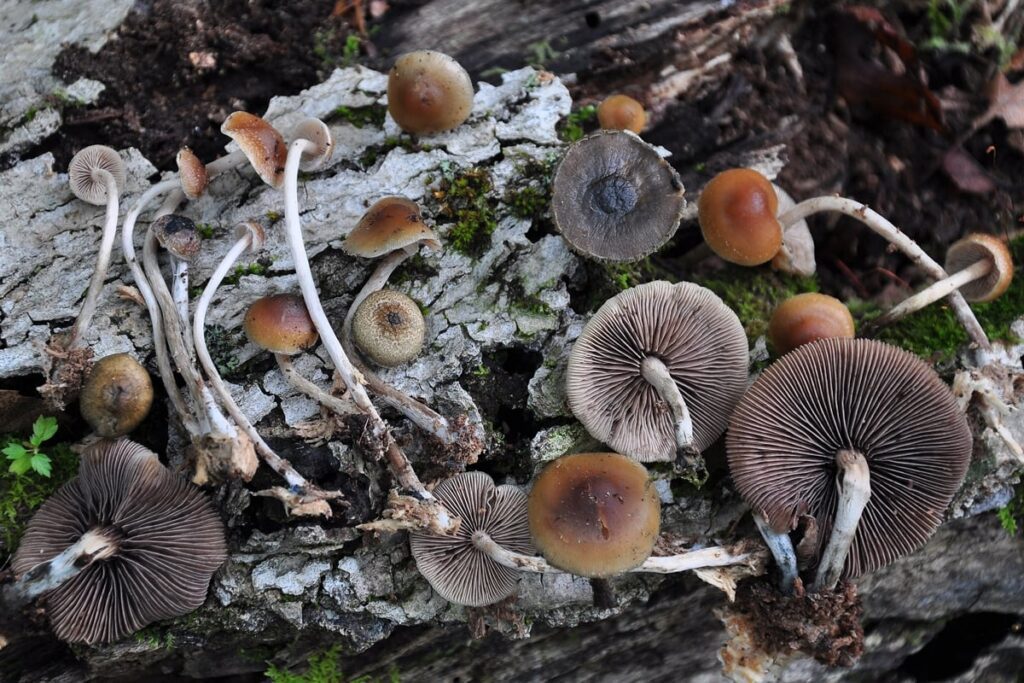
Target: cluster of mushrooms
(855, 443)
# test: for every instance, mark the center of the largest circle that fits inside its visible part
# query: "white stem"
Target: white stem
(179, 292)
(853, 480)
(886, 229)
(92, 546)
(657, 374)
(99, 275)
(333, 403)
(781, 547)
(937, 290)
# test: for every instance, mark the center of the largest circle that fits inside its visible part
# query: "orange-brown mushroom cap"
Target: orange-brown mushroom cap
(391, 223)
(977, 247)
(806, 318)
(621, 112)
(280, 324)
(262, 145)
(117, 396)
(192, 173)
(738, 213)
(594, 514)
(429, 92)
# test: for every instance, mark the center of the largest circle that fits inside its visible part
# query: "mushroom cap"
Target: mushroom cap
(88, 187)
(973, 248)
(280, 324)
(699, 339)
(192, 173)
(621, 112)
(429, 92)
(178, 235)
(851, 394)
(614, 198)
(805, 318)
(169, 542)
(594, 514)
(452, 564)
(262, 145)
(117, 396)
(738, 213)
(391, 223)
(388, 328)
(317, 132)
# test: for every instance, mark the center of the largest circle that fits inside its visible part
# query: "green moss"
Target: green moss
(205, 230)
(1011, 515)
(467, 203)
(753, 293)
(222, 344)
(274, 216)
(260, 267)
(324, 667)
(371, 154)
(578, 122)
(20, 495)
(372, 115)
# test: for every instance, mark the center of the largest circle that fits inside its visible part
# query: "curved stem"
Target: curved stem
(333, 403)
(854, 482)
(657, 374)
(99, 275)
(781, 547)
(883, 227)
(93, 545)
(179, 293)
(934, 292)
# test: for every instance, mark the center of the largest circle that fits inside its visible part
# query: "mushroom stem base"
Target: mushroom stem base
(781, 547)
(657, 374)
(854, 483)
(92, 546)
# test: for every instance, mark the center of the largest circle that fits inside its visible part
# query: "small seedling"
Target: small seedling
(26, 455)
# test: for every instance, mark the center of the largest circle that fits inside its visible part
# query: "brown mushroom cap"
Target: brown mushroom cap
(262, 145)
(594, 514)
(738, 213)
(429, 92)
(388, 328)
(117, 396)
(452, 564)
(621, 112)
(88, 187)
(974, 248)
(169, 542)
(614, 198)
(178, 235)
(851, 394)
(805, 318)
(687, 327)
(192, 173)
(391, 223)
(280, 324)
(317, 132)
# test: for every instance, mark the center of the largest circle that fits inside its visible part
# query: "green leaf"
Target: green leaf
(41, 464)
(43, 429)
(21, 466)
(15, 451)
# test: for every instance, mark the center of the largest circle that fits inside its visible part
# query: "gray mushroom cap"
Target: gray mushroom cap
(452, 564)
(698, 338)
(89, 186)
(851, 394)
(169, 542)
(178, 235)
(389, 329)
(614, 198)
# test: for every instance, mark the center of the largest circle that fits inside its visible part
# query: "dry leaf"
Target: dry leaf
(965, 172)
(1006, 102)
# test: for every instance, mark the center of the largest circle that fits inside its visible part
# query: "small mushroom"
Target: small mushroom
(388, 328)
(192, 173)
(262, 145)
(97, 176)
(657, 371)
(453, 565)
(390, 225)
(621, 112)
(808, 317)
(123, 544)
(862, 436)
(117, 396)
(614, 198)
(429, 92)
(179, 236)
(982, 270)
(737, 214)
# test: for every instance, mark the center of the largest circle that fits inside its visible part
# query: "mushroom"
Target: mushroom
(862, 436)
(982, 268)
(97, 176)
(301, 497)
(808, 317)
(657, 371)
(429, 92)
(123, 544)
(737, 213)
(262, 145)
(179, 236)
(614, 198)
(455, 568)
(621, 112)
(117, 396)
(388, 328)
(192, 173)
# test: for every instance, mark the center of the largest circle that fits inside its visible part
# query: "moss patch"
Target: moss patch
(753, 293)
(466, 201)
(578, 123)
(21, 495)
(372, 115)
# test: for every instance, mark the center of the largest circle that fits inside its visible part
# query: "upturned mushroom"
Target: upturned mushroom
(123, 544)
(808, 317)
(117, 396)
(862, 436)
(621, 112)
(429, 92)
(657, 371)
(614, 198)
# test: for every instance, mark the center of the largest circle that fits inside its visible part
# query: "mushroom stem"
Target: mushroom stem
(102, 261)
(886, 229)
(781, 547)
(669, 564)
(93, 545)
(296, 481)
(932, 293)
(657, 374)
(337, 405)
(179, 293)
(854, 482)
